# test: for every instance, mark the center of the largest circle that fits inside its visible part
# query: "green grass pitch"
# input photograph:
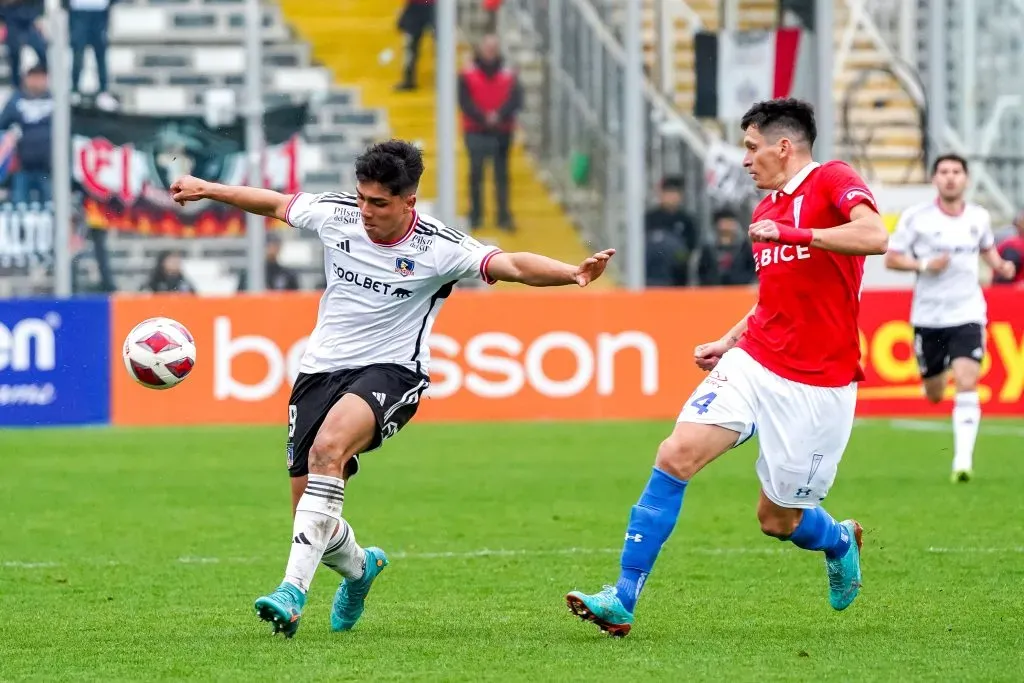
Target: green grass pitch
(135, 554)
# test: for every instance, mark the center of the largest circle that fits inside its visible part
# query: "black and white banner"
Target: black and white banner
(124, 165)
(26, 236)
(735, 69)
(729, 186)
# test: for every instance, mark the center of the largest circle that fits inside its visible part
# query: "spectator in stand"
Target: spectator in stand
(167, 275)
(672, 236)
(416, 19)
(88, 21)
(20, 17)
(31, 112)
(278, 277)
(729, 259)
(1012, 249)
(490, 97)
(667, 257)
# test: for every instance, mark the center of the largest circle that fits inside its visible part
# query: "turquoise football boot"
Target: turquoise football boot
(604, 609)
(351, 596)
(282, 608)
(844, 572)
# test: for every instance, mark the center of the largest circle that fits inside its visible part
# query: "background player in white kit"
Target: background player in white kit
(941, 240)
(389, 269)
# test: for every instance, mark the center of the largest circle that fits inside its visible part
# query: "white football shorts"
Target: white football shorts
(802, 430)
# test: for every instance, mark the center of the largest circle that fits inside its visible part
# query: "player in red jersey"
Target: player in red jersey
(788, 371)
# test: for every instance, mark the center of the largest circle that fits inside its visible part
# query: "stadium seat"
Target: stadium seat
(163, 59)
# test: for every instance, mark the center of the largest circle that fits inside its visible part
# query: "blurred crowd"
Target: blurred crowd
(26, 118)
(683, 246)
(680, 252)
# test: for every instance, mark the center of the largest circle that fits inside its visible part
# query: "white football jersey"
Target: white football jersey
(954, 296)
(381, 299)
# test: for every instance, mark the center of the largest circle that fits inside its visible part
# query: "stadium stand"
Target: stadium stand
(165, 56)
(361, 45)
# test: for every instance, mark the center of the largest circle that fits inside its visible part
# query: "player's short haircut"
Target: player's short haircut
(948, 157)
(783, 117)
(395, 164)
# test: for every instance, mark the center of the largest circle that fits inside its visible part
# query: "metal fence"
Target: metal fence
(577, 123)
(165, 81)
(962, 61)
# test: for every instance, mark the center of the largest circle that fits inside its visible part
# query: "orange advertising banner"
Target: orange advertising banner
(893, 385)
(530, 354)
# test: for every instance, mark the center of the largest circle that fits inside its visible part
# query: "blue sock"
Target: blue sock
(650, 523)
(818, 531)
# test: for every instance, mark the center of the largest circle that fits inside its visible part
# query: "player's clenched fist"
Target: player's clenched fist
(937, 264)
(1006, 269)
(764, 231)
(707, 355)
(188, 189)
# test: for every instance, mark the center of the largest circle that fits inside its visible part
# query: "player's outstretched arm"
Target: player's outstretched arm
(865, 234)
(252, 199)
(540, 271)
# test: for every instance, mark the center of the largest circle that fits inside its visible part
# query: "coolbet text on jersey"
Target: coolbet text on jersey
(381, 299)
(805, 326)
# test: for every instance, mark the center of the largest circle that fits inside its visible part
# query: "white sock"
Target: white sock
(316, 516)
(966, 420)
(343, 554)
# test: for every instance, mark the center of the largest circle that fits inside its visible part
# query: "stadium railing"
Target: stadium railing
(984, 102)
(575, 107)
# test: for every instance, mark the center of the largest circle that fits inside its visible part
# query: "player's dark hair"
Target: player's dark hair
(395, 164)
(783, 116)
(948, 157)
(673, 183)
(724, 215)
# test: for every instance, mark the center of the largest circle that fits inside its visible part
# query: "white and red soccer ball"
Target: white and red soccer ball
(159, 353)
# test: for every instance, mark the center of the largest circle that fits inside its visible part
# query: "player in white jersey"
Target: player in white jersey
(389, 269)
(941, 241)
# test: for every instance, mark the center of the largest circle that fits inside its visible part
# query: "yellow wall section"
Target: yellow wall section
(349, 37)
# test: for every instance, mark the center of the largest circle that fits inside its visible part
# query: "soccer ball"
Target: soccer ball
(159, 353)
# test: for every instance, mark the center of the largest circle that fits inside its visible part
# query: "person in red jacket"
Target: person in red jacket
(490, 96)
(1012, 249)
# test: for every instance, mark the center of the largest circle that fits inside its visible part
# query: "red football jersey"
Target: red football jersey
(1012, 249)
(805, 325)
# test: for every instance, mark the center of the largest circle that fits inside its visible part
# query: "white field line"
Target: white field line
(987, 429)
(485, 552)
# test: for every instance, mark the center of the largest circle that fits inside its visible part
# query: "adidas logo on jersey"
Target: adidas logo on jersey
(381, 397)
(344, 246)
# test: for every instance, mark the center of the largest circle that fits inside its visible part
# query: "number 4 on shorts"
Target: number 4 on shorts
(701, 403)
